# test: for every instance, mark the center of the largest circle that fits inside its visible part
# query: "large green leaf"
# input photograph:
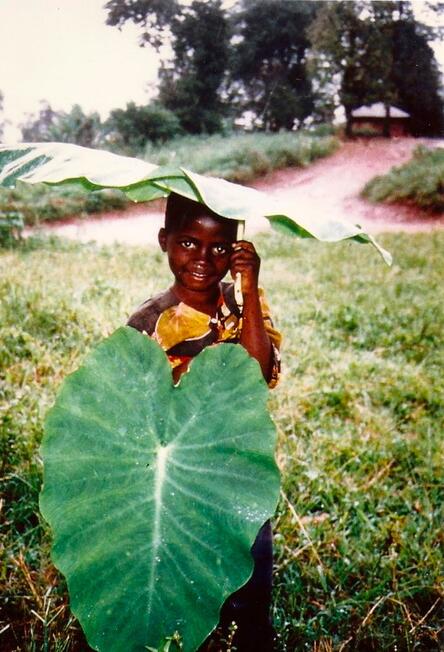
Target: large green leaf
(155, 492)
(56, 163)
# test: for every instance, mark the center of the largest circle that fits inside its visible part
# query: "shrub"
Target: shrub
(39, 203)
(243, 157)
(419, 182)
(135, 125)
(11, 227)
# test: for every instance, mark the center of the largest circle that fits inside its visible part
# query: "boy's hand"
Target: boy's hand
(244, 260)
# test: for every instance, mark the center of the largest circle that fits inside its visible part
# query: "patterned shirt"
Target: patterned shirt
(183, 332)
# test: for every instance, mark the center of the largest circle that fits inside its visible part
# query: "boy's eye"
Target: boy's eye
(220, 250)
(187, 244)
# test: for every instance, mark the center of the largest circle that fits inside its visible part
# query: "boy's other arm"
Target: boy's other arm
(254, 337)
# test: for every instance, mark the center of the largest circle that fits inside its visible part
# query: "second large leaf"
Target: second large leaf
(155, 492)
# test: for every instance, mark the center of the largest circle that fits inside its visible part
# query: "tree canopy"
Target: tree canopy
(191, 82)
(134, 125)
(191, 85)
(72, 127)
(273, 64)
(380, 53)
(283, 61)
(269, 61)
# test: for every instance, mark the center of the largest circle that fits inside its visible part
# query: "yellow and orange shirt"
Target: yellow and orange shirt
(183, 332)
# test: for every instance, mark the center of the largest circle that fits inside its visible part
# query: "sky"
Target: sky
(62, 51)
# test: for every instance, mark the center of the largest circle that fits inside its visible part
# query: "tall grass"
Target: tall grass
(419, 182)
(39, 203)
(243, 157)
(234, 157)
(359, 412)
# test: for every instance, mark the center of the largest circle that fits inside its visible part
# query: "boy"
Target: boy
(197, 311)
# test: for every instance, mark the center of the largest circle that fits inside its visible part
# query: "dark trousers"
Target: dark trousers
(249, 607)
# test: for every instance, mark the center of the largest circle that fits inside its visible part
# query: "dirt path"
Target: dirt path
(331, 184)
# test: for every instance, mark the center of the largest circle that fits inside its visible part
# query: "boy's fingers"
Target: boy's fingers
(243, 245)
(242, 251)
(250, 260)
(245, 258)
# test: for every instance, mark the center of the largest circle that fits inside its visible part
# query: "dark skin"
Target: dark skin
(200, 253)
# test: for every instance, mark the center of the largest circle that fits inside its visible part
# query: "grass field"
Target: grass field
(243, 157)
(419, 182)
(359, 412)
(236, 157)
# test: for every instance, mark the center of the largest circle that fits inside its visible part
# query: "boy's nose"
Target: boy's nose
(204, 254)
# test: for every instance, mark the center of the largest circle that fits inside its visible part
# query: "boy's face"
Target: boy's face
(199, 252)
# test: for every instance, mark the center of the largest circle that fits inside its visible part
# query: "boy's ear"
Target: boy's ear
(162, 238)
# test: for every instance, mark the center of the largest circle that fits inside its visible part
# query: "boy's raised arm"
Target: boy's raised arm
(254, 337)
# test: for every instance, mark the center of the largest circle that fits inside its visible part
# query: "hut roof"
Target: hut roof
(377, 110)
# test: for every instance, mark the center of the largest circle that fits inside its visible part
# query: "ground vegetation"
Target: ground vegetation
(420, 182)
(359, 412)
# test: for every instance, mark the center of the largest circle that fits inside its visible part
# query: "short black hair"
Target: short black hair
(179, 210)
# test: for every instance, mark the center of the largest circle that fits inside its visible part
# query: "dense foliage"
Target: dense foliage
(289, 59)
(268, 73)
(380, 53)
(130, 128)
(359, 411)
(419, 182)
(191, 87)
(39, 204)
(73, 127)
(265, 65)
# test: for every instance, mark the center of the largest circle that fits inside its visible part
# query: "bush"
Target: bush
(11, 227)
(419, 182)
(242, 157)
(135, 125)
(40, 203)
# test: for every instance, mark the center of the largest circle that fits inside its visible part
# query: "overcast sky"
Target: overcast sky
(62, 51)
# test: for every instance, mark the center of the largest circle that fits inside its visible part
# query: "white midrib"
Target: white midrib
(159, 481)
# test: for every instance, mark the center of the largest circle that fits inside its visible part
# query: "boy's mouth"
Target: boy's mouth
(200, 274)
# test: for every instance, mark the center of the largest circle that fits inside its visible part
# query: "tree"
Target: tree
(417, 79)
(134, 125)
(269, 61)
(154, 16)
(191, 83)
(339, 39)
(191, 86)
(73, 127)
(379, 52)
(38, 127)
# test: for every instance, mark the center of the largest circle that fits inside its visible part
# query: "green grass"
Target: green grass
(39, 203)
(419, 182)
(238, 158)
(359, 412)
(243, 157)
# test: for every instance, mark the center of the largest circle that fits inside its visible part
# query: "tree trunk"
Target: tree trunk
(386, 125)
(348, 122)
